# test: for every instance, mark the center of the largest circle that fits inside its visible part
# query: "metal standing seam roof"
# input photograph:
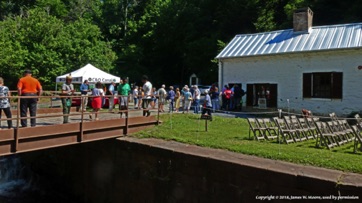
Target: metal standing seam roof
(319, 38)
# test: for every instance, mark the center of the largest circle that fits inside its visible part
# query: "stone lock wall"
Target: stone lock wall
(149, 170)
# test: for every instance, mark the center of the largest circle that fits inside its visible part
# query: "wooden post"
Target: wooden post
(126, 120)
(125, 132)
(17, 126)
(206, 118)
(80, 138)
(158, 115)
(206, 125)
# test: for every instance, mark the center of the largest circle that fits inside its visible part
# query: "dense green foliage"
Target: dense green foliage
(232, 134)
(166, 39)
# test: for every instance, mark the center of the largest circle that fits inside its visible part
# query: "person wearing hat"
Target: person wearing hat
(30, 87)
(206, 110)
(67, 90)
(187, 100)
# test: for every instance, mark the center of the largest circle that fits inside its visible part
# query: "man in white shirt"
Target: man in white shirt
(147, 98)
(196, 97)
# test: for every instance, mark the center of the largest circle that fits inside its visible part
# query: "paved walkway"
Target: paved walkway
(57, 118)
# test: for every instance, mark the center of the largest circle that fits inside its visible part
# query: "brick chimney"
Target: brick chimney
(302, 20)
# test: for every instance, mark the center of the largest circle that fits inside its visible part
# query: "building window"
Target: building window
(323, 85)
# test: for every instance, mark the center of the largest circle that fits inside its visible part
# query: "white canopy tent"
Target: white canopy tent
(90, 73)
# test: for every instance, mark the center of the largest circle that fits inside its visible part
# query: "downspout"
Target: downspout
(221, 74)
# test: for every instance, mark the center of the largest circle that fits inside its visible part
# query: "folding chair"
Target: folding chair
(357, 129)
(358, 119)
(269, 129)
(325, 136)
(294, 125)
(343, 127)
(287, 134)
(310, 132)
(333, 116)
(304, 130)
(255, 128)
(340, 135)
(312, 126)
(347, 129)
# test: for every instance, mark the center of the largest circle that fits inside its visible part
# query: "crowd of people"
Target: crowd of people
(29, 89)
(98, 94)
(145, 97)
(185, 99)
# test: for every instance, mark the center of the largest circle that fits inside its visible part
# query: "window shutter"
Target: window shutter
(307, 85)
(337, 85)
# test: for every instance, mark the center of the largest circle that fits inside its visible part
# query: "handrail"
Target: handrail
(53, 132)
(81, 113)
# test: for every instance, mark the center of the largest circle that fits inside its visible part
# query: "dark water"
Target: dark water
(20, 183)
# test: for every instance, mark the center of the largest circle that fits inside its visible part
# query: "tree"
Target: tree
(174, 39)
(166, 39)
(49, 46)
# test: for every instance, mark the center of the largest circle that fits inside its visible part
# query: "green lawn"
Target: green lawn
(233, 134)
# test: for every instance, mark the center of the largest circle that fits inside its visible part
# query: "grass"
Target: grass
(233, 134)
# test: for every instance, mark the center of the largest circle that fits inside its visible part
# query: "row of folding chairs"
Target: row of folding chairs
(335, 132)
(338, 132)
(290, 128)
(294, 129)
(358, 132)
(262, 128)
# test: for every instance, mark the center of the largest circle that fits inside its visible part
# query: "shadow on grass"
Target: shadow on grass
(319, 147)
(243, 138)
(354, 153)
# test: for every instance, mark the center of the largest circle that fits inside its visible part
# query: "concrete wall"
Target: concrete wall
(287, 70)
(149, 170)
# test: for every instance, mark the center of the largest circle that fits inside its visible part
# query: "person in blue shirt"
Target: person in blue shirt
(84, 89)
(187, 100)
(215, 99)
(171, 97)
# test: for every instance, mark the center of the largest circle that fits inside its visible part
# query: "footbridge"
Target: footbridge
(50, 131)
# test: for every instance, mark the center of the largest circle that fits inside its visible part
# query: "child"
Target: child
(4, 102)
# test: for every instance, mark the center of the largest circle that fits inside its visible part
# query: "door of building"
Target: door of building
(266, 91)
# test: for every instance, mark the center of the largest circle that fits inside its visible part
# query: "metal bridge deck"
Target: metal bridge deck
(50, 132)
